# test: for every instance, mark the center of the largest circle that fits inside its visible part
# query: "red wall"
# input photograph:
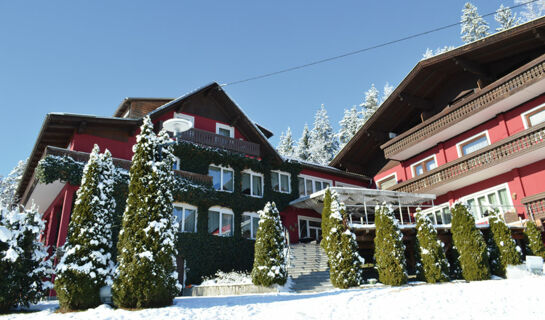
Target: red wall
(290, 221)
(334, 178)
(119, 149)
(202, 123)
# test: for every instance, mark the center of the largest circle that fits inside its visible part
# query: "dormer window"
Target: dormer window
(225, 130)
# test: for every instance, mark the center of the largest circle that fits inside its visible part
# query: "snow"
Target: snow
(500, 299)
(224, 278)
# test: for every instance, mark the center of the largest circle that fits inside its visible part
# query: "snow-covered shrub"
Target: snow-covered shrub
(270, 249)
(146, 275)
(23, 258)
(345, 263)
(470, 244)
(86, 264)
(508, 251)
(434, 266)
(389, 248)
(453, 257)
(9, 184)
(493, 256)
(533, 241)
(224, 278)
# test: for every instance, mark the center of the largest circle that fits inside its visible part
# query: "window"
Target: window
(280, 181)
(185, 116)
(308, 185)
(487, 200)
(252, 183)
(220, 221)
(186, 216)
(346, 185)
(424, 166)
(439, 214)
(225, 130)
(176, 163)
(534, 116)
(222, 178)
(249, 224)
(472, 144)
(310, 228)
(387, 182)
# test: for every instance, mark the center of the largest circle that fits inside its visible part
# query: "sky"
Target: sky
(85, 57)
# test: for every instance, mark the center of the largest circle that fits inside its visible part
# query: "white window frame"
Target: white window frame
(185, 116)
(299, 218)
(431, 211)
(459, 144)
(185, 206)
(524, 118)
(251, 215)
(377, 182)
(485, 193)
(225, 127)
(221, 177)
(413, 171)
(314, 180)
(347, 185)
(177, 163)
(222, 211)
(253, 173)
(280, 180)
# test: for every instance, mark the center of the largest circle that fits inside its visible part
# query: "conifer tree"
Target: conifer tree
(9, 184)
(434, 265)
(325, 224)
(345, 263)
(430, 53)
(286, 147)
(474, 27)
(494, 256)
(349, 125)
(534, 243)
(389, 248)
(532, 9)
(86, 264)
(470, 244)
(146, 275)
(24, 263)
(270, 249)
(507, 247)
(386, 92)
(323, 142)
(370, 105)
(302, 151)
(453, 257)
(505, 18)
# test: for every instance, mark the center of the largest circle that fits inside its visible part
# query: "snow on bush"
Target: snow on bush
(504, 242)
(433, 263)
(534, 243)
(225, 278)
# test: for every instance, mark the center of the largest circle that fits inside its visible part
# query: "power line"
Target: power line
(351, 53)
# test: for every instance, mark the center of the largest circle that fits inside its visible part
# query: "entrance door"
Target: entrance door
(310, 228)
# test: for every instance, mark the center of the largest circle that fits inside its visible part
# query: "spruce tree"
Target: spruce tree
(532, 9)
(302, 151)
(87, 264)
(345, 263)
(24, 263)
(286, 145)
(434, 265)
(146, 275)
(270, 249)
(323, 142)
(474, 27)
(386, 92)
(506, 245)
(9, 184)
(349, 125)
(389, 248)
(370, 105)
(533, 241)
(470, 244)
(505, 18)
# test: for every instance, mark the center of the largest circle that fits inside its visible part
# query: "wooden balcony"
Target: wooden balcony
(515, 151)
(211, 139)
(511, 90)
(535, 205)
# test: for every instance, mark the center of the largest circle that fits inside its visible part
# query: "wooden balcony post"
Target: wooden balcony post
(65, 216)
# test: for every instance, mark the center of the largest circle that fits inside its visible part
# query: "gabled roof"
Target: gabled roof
(436, 83)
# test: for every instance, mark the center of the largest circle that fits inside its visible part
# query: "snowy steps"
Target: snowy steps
(308, 268)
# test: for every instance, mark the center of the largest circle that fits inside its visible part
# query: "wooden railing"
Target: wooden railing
(505, 87)
(535, 205)
(511, 147)
(215, 140)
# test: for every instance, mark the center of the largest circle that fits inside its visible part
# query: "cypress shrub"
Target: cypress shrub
(326, 212)
(494, 256)
(453, 257)
(146, 275)
(534, 243)
(507, 247)
(389, 248)
(86, 264)
(434, 266)
(470, 244)
(270, 249)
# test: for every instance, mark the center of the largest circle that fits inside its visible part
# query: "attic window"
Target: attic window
(225, 130)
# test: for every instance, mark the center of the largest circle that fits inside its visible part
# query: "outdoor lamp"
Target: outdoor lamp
(177, 126)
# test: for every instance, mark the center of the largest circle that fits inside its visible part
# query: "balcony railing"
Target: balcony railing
(504, 87)
(535, 205)
(210, 139)
(506, 149)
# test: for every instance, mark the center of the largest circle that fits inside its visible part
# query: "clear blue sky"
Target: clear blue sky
(86, 56)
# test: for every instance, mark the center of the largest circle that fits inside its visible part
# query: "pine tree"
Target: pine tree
(534, 243)
(323, 142)
(532, 10)
(345, 263)
(146, 275)
(9, 184)
(24, 263)
(286, 145)
(434, 265)
(430, 53)
(86, 264)
(505, 18)
(302, 151)
(371, 103)
(349, 125)
(270, 249)
(474, 27)
(386, 92)
(470, 244)
(389, 248)
(507, 247)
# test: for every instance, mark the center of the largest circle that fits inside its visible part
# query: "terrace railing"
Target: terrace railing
(535, 205)
(211, 139)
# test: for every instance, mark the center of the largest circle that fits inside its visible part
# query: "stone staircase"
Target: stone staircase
(308, 268)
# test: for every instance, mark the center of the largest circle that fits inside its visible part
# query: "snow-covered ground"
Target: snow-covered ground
(522, 298)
